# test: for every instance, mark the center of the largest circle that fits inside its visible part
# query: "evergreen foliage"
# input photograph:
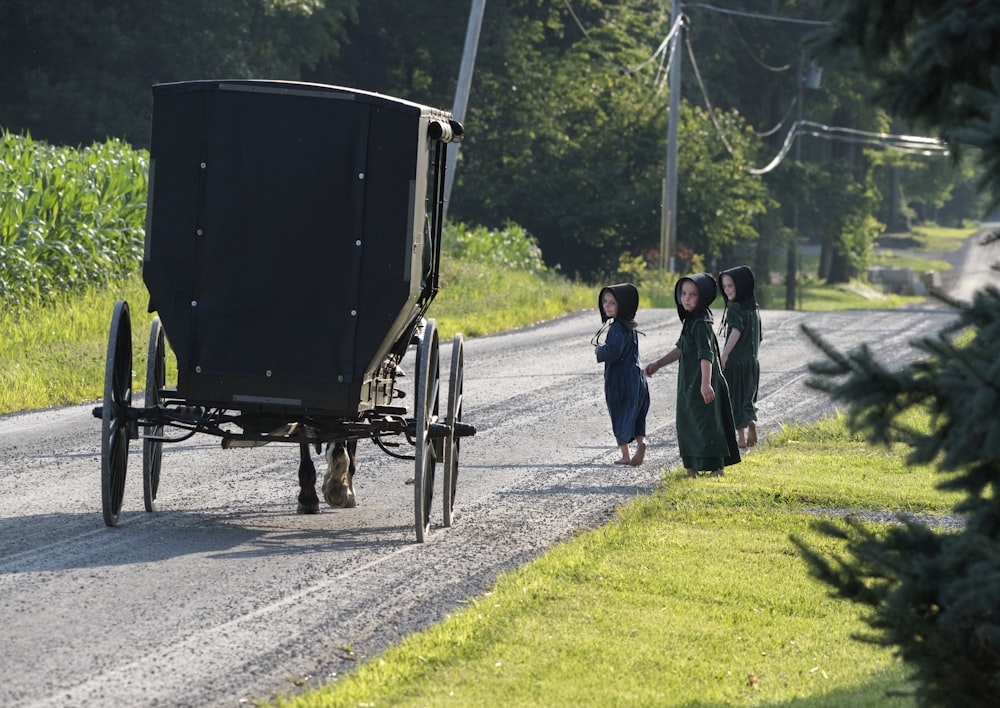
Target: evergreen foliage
(936, 64)
(934, 596)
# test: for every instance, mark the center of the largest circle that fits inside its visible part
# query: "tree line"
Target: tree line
(567, 117)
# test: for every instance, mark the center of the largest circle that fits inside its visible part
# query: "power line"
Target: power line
(758, 16)
(912, 144)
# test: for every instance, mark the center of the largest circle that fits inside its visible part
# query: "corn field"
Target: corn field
(69, 217)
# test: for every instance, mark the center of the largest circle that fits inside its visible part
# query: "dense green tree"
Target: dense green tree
(387, 50)
(75, 72)
(936, 65)
(567, 114)
(576, 135)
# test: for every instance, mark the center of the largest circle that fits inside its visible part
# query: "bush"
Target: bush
(511, 248)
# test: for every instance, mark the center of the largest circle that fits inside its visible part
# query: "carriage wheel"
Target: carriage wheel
(156, 379)
(425, 405)
(114, 423)
(451, 443)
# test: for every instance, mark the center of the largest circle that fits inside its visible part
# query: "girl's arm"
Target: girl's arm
(707, 392)
(668, 358)
(734, 337)
(614, 346)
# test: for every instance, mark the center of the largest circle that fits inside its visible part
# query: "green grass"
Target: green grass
(905, 248)
(54, 354)
(679, 601)
(478, 299)
(817, 296)
(941, 238)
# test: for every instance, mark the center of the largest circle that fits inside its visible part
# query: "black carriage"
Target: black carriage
(292, 247)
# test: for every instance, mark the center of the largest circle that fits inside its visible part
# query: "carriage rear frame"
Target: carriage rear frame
(240, 223)
(435, 438)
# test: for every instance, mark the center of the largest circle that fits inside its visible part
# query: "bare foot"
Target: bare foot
(623, 461)
(718, 473)
(692, 473)
(752, 434)
(639, 456)
(741, 440)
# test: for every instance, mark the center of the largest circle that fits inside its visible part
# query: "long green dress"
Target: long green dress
(706, 434)
(743, 366)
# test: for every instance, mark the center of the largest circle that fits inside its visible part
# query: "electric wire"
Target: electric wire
(708, 102)
(910, 144)
(749, 51)
(758, 16)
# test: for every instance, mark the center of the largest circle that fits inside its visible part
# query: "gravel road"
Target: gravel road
(225, 595)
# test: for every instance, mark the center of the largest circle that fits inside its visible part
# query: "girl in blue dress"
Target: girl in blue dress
(625, 389)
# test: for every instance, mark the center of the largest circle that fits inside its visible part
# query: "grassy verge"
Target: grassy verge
(693, 596)
(54, 354)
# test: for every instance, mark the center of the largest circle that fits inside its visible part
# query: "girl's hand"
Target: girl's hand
(708, 393)
(651, 368)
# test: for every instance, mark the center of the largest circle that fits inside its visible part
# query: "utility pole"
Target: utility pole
(462, 91)
(791, 266)
(668, 225)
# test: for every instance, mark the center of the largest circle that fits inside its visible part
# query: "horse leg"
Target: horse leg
(308, 501)
(338, 482)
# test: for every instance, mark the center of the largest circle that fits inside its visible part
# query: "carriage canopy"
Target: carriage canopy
(293, 236)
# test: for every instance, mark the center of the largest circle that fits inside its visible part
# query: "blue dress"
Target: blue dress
(625, 388)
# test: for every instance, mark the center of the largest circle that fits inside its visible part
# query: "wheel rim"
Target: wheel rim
(426, 413)
(156, 378)
(452, 442)
(114, 423)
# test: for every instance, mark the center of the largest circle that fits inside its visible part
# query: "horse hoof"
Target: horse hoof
(340, 498)
(308, 507)
(337, 487)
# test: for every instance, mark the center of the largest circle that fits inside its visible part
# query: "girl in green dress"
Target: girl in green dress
(742, 332)
(706, 434)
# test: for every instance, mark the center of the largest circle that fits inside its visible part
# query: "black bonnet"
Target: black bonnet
(628, 301)
(745, 283)
(708, 290)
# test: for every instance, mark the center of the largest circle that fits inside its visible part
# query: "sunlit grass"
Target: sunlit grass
(478, 299)
(693, 596)
(54, 354)
(941, 238)
(892, 259)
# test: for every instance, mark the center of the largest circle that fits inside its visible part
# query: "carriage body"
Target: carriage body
(293, 239)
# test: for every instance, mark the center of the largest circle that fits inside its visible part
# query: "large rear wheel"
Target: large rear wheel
(452, 442)
(115, 432)
(428, 385)
(152, 448)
